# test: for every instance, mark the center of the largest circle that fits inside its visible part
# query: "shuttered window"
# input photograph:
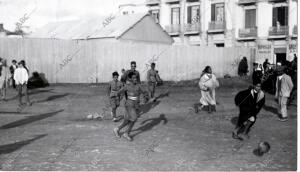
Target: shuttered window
(175, 15)
(217, 12)
(213, 11)
(250, 18)
(193, 13)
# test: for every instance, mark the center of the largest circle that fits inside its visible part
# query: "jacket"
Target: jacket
(286, 86)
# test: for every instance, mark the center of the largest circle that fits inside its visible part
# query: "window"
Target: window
(220, 45)
(280, 16)
(217, 12)
(193, 14)
(155, 14)
(175, 16)
(250, 18)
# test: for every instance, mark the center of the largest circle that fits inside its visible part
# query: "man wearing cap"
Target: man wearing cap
(284, 86)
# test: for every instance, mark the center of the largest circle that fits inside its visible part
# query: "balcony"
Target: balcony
(192, 28)
(248, 33)
(275, 1)
(152, 2)
(246, 2)
(172, 1)
(295, 30)
(216, 26)
(281, 31)
(173, 29)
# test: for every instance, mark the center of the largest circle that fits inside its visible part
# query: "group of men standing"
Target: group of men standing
(18, 78)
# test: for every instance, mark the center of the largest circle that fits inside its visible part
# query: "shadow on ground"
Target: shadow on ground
(271, 109)
(145, 108)
(9, 148)
(50, 98)
(148, 124)
(32, 93)
(13, 112)
(30, 119)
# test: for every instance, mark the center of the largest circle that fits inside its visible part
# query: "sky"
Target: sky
(41, 12)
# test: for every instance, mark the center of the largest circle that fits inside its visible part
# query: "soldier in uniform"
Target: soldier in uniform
(114, 86)
(152, 80)
(133, 90)
(133, 67)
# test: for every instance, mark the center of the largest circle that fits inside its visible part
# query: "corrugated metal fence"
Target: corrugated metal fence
(67, 61)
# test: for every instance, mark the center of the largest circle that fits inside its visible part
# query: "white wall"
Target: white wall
(95, 60)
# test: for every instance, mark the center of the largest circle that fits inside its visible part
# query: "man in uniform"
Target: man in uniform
(133, 67)
(114, 86)
(133, 90)
(152, 80)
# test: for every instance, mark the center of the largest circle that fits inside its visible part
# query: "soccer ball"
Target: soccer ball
(263, 147)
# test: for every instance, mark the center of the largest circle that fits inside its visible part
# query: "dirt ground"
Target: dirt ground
(54, 134)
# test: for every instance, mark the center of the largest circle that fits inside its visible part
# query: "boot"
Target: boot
(116, 132)
(126, 136)
(209, 109)
(196, 108)
(247, 129)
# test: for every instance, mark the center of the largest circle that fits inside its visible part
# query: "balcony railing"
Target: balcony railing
(278, 30)
(295, 30)
(192, 27)
(172, 1)
(217, 25)
(152, 2)
(173, 28)
(242, 2)
(277, 1)
(248, 32)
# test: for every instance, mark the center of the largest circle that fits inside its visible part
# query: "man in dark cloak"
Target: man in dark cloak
(243, 67)
(250, 102)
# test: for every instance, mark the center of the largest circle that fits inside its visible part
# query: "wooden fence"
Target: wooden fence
(68, 61)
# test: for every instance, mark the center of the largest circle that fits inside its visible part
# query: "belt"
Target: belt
(132, 98)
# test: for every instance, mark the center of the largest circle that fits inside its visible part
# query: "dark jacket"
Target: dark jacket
(248, 106)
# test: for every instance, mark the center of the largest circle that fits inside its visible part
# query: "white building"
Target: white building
(268, 25)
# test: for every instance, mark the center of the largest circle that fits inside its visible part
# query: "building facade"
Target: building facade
(270, 26)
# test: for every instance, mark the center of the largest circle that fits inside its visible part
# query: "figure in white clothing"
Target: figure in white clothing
(21, 79)
(3, 78)
(208, 84)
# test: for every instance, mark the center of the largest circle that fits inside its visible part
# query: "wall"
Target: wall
(95, 60)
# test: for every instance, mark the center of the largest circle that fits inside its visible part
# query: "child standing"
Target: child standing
(133, 90)
(151, 80)
(21, 78)
(113, 88)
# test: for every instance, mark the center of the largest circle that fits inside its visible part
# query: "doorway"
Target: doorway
(281, 58)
